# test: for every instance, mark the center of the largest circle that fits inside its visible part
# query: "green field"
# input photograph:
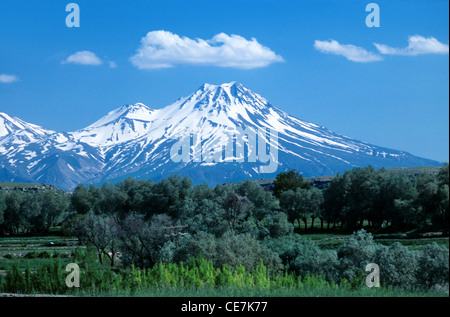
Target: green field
(38, 252)
(34, 250)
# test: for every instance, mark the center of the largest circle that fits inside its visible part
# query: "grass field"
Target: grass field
(34, 250)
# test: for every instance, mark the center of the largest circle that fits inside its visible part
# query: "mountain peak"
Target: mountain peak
(12, 125)
(225, 86)
(120, 125)
(137, 111)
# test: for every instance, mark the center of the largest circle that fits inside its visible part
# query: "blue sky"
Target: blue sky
(317, 61)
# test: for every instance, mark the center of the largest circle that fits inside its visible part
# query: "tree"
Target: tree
(433, 199)
(53, 204)
(2, 210)
(443, 198)
(302, 204)
(205, 215)
(32, 219)
(102, 232)
(142, 239)
(303, 256)
(82, 200)
(263, 202)
(236, 209)
(111, 200)
(315, 205)
(290, 180)
(443, 175)
(394, 202)
(359, 202)
(334, 205)
(11, 215)
(275, 224)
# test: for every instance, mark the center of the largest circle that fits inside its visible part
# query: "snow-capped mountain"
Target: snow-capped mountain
(19, 131)
(30, 153)
(123, 124)
(219, 133)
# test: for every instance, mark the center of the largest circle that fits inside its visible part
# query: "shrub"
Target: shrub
(433, 266)
(277, 224)
(230, 249)
(356, 253)
(397, 264)
(315, 261)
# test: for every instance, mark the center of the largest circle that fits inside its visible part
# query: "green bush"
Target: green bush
(230, 249)
(317, 262)
(433, 266)
(355, 254)
(398, 265)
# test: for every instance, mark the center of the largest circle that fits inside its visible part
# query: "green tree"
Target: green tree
(82, 199)
(204, 215)
(431, 201)
(111, 200)
(316, 202)
(275, 225)
(443, 175)
(302, 204)
(359, 200)
(394, 202)
(31, 216)
(263, 202)
(11, 215)
(290, 180)
(2, 210)
(237, 209)
(53, 204)
(443, 198)
(102, 232)
(334, 205)
(142, 239)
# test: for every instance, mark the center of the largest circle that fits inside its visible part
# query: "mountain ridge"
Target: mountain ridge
(136, 140)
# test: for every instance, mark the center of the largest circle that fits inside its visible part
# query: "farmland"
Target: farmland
(171, 238)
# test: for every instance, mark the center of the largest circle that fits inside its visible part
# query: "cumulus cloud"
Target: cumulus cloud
(417, 45)
(87, 58)
(163, 49)
(351, 52)
(83, 58)
(7, 79)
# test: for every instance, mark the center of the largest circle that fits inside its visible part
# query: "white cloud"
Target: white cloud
(7, 79)
(83, 58)
(162, 49)
(351, 52)
(416, 45)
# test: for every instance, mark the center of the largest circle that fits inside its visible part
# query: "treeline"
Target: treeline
(32, 212)
(359, 197)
